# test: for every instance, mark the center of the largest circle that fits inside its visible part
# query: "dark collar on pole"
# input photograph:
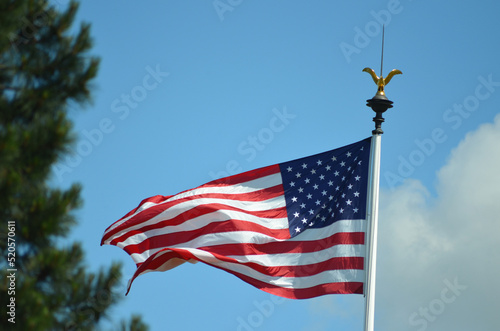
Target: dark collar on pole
(379, 104)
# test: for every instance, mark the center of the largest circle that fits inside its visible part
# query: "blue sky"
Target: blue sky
(184, 88)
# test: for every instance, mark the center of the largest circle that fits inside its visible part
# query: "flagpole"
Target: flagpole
(379, 104)
(372, 229)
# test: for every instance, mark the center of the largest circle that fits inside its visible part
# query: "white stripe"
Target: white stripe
(358, 225)
(254, 185)
(330, 276)
(211, 239)
(201, 221)
(295, 259)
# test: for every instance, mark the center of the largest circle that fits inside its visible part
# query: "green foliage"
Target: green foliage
(45, 68)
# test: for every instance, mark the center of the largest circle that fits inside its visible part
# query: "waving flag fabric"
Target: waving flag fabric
(294, 229)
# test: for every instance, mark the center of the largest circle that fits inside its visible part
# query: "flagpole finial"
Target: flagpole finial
(379, 103)
(381, 81)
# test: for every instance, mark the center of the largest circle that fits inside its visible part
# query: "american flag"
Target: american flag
(294, 229)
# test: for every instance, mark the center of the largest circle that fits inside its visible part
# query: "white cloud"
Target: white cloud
(439, 257)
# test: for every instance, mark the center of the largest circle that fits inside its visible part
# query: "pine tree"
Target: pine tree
(44, 69)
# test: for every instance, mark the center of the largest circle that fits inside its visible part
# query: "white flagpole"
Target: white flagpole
(371, 231)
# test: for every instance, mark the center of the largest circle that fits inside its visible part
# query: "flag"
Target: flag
(294, 229)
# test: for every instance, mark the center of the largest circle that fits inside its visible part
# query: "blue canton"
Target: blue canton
(326, 187)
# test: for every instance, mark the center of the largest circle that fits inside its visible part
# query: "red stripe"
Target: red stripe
(307, 293)
(155, 261)
(340, 238)
(155, 199)
(176, 238)
(152, 263)
(147, 214)
(303, 293)
(344, 263)
(245, 177)
(335, 263)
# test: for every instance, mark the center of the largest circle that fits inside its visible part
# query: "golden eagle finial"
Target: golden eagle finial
(381, 81)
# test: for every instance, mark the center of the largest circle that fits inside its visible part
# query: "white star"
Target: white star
(304, 165)
(311, 211)
(334, 158)
(298, 175)
(301, 190)
(307, 180)
(349, 186)
(315, 186)
(289, 169)
(342, 164)
(355, 210)
(294, 199)
(348, 154)
(313, 171)
(319, 162)
(330, 183)
(296, 214)
(341, 210)
(297, 229)
(356, 194)
(357, 178)
(337, 188)
(330, 197)
(304, 220)
(336, 173)
(343, 178)
(328, 167)
(311, 224)
(292, 184)
(343, 195)
(321, 177)
(309, 196)
(348, 202)
(302, 205)
(318, 202)
(323, 218)
(323, 192)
